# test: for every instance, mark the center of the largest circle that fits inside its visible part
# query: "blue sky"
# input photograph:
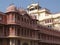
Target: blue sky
(52, 5)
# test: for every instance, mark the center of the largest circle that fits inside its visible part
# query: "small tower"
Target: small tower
(11, 12)
(11, 8)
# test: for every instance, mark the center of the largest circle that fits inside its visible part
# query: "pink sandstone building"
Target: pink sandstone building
(17, 27)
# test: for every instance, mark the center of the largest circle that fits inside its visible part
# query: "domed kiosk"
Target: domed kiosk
(11, 12)
(11, 8)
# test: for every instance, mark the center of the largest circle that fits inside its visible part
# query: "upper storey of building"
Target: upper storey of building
(37, 9)
(41, 13)
(18, 16)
